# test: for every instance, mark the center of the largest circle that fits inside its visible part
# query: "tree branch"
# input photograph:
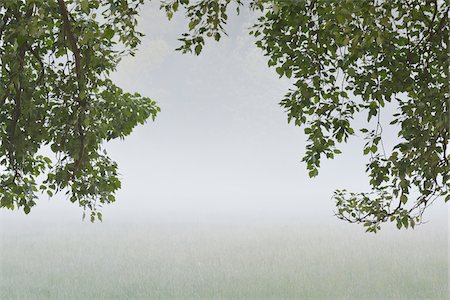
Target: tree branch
(68, 32)
(72, 39)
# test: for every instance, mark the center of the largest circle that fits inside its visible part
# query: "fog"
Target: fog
(221, 148)
(220, 152)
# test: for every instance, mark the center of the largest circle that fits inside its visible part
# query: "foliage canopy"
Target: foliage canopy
(345, 58)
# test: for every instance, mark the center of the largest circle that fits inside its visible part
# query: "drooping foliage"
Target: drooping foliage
(345, 58)
(55, 62)
(351, 57)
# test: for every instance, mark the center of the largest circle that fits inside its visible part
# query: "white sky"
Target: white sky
(221, 148)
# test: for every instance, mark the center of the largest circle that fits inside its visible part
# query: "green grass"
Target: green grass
(204, 261)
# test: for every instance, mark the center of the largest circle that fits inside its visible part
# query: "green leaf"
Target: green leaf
(198, 49)
(193, 23)
(288, 73)
(109, 33)
(405, 222)
(280, 71)
(374, 149)
(403, 199)
(313, 173)
(84, 5)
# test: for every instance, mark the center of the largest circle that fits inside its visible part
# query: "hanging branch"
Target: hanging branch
(68, 32)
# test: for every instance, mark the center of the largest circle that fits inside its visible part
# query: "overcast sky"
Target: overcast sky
(221, 148)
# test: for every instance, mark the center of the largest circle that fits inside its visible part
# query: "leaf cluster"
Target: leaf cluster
(348, 58)
(55, 92)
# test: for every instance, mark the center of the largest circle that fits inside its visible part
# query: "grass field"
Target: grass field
(221, 261)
